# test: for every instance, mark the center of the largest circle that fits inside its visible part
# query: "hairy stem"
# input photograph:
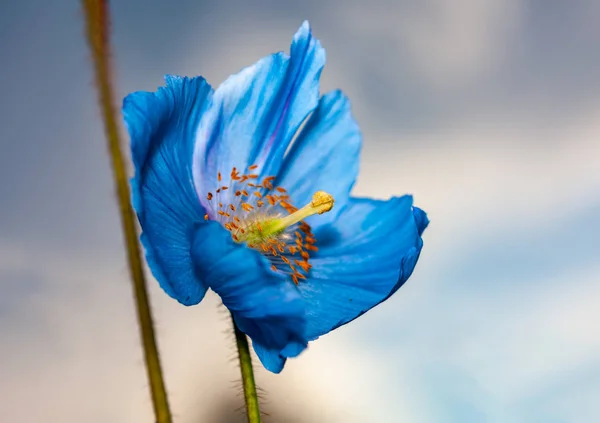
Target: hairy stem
(97, 30)
(250, 395)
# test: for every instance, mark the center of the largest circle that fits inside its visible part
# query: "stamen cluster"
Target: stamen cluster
(248, 208)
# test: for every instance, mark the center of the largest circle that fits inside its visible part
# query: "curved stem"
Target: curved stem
(97, 25)
(250, 395)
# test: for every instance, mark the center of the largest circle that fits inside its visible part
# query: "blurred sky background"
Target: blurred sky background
(488, 111)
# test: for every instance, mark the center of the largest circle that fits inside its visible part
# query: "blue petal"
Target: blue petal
(421, 219)
(162, 127)
(265, 305)
(269, 358)
(257, 112)
(363, 257)
(324, 157)
(274, 360)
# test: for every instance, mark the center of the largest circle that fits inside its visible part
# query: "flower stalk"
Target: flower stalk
(97, 31)
(250, 393)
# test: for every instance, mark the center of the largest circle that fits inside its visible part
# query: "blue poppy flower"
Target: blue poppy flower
(246, 190)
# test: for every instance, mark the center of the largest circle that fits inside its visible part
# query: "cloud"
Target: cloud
(446, 44)
(492, 176)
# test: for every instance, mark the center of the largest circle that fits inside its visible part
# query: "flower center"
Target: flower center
(262, 216)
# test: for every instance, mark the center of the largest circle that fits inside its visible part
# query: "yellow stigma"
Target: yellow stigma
(321, 203)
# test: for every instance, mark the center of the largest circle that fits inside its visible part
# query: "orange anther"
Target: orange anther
(303, 264)
(267, 182)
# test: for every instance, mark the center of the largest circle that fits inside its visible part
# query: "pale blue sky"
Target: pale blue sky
(487, 111)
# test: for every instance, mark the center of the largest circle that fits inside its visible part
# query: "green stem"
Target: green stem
(250, 395)
(97, 30)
